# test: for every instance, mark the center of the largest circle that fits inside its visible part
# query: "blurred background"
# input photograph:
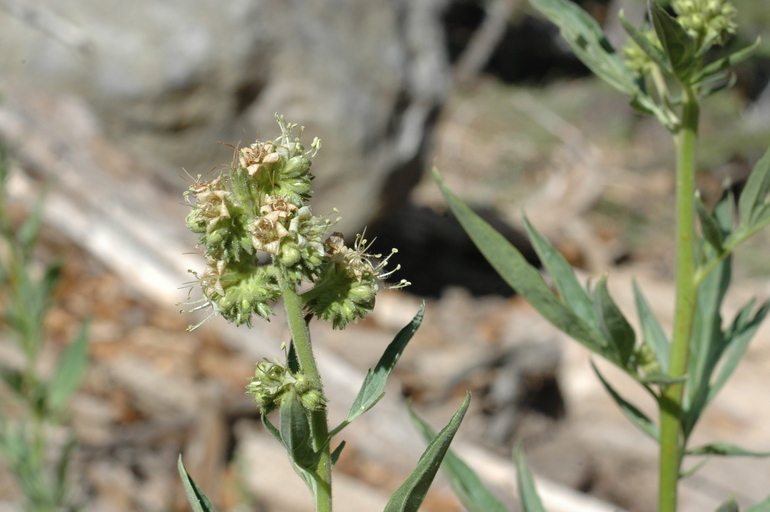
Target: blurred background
(115, 107)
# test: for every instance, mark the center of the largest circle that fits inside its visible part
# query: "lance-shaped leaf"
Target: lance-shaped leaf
(335, 455)
(726, 450)
(517, 272)
(295, 431)
(614, 325)
(70, 371)
(651, 330)
(304, 474)
(570, 289)
(30, 229)
(660, 379)
(584, 35)
(528, 497)
(373, 388)
(728, 506)
(754, 193)
(411, 494)
(724, 63)
(708, 342)
(198, 501)
(708, 224)
(738, 336)
(465, 483)
(677, 44)
(632, 412)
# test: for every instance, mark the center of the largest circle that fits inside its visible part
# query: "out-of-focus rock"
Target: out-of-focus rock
(172, 78)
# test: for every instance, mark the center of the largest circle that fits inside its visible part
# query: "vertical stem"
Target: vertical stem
(300, 335)
(671, 437)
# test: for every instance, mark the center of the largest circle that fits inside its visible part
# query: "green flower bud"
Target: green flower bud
(272, 381)
(290, 255)
(646, 359)
(296, 166)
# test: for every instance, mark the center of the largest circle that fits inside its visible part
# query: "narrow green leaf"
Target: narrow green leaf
(517, 272)
(335, 455)
(722, 64)
(198, 501)
(411, 494)
(373, 388)
(639, 37)
(530, 500)
(651, 329)
(62, 469)
(295, 431)
(763, 506)
(70, 371)
(738, 336)
(727, 450)
(716, 83)
(633, 413)
(711, 231)
(661, 379)
(728, 506)
(678, 45)
(584, 35)
(570, 289)
(614, 325)
(724, 213)
(708, 342)
(755, 191)
(691, 471)
(272, 429)
(465, 483)
(30, 228)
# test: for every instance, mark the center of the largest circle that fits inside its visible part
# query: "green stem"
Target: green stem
(300, 335)
(671, 437)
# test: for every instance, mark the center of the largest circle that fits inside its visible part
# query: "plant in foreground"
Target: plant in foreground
(665, 74)
(262, 243)
(35, 407)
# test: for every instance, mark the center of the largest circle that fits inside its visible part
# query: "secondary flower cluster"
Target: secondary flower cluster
(708, 22)
(259, 237)
(271, 383)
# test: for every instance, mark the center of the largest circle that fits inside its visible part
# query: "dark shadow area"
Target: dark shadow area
(435, 252)
(530, 51)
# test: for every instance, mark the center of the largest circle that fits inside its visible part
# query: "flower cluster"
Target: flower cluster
(272, 381)
(636, 59)
(348, 282)
(707, 21)
(259, 236)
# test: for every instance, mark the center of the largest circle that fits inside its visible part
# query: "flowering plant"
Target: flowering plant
(262, 243)
(665, 74)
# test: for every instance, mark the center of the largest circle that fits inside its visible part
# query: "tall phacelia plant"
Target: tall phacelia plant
(263, 244)
(665, 73)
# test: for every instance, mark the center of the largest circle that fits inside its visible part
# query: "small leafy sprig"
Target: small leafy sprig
(665, 74)
(37, 402)
(262, 243)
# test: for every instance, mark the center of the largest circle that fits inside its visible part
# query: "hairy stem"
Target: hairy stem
(300, 335)
(671, 437)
